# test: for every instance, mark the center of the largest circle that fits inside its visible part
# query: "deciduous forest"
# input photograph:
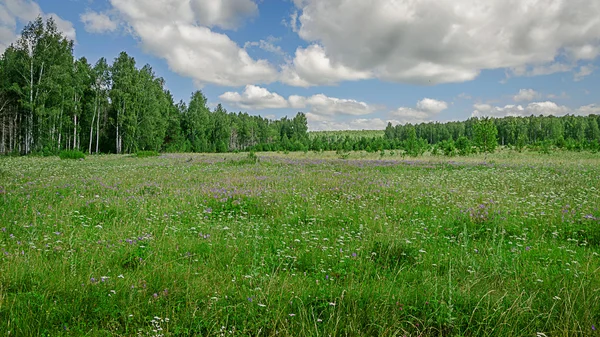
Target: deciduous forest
(52, 101)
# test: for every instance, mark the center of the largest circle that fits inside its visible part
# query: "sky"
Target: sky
(347, 64)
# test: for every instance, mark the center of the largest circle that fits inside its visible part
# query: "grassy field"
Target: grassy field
(300, 245)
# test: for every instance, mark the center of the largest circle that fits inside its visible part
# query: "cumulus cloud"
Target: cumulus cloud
(320, 124)
(255, 98)
(332, 106)
(24, 11)
(311, 66)
(317, 106)
(588, 110)
(179, 31)
(424, 42)
(95, 22)
(426, 110)
(526, 95)
(546, 108)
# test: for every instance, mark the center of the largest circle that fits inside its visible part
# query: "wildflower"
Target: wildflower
(292, 315)
(155, 295)
(93, 280)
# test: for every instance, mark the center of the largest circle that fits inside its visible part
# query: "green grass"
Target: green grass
(71, 154)
(302, 244)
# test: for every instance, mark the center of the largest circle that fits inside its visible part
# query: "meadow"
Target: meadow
(303, 244)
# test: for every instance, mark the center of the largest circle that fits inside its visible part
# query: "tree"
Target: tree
(463, 145)
(123, 74)
(485, 135)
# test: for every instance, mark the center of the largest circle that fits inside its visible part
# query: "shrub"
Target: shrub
(145, 154)
(71, 154)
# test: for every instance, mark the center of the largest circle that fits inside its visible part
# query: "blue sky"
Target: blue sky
(348, 64)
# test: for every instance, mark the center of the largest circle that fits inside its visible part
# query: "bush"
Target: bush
(145, 154)
(71, 154)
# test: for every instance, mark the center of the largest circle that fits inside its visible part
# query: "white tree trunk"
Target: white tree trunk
(97, 131)
(75, 134)
(91, 132)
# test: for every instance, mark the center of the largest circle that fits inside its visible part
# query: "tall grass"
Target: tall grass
(300, 245)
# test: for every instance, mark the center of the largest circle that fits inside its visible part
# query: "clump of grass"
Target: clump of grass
(71, 154)
(250, 159)
(146, 154)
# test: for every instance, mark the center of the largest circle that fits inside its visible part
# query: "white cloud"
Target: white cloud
(432, 106)
(426, 110)
(24, 11)
(318, 123)
(311, 66)
(584, 71)
(426, 41)
(178, 31)
(97, 22)
(255, 98)
(526, 95)
(588, 110)
(546, 108)
(319, 107)
(331, 106)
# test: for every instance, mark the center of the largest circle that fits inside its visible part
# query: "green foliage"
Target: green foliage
(145, 154)
(463, 146)
(414, 146)
(485, 135)
(71, 154)
(449, 148)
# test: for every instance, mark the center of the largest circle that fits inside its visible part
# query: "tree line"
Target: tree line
(51, 101)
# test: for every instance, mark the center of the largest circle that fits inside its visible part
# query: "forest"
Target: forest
(52, 101)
